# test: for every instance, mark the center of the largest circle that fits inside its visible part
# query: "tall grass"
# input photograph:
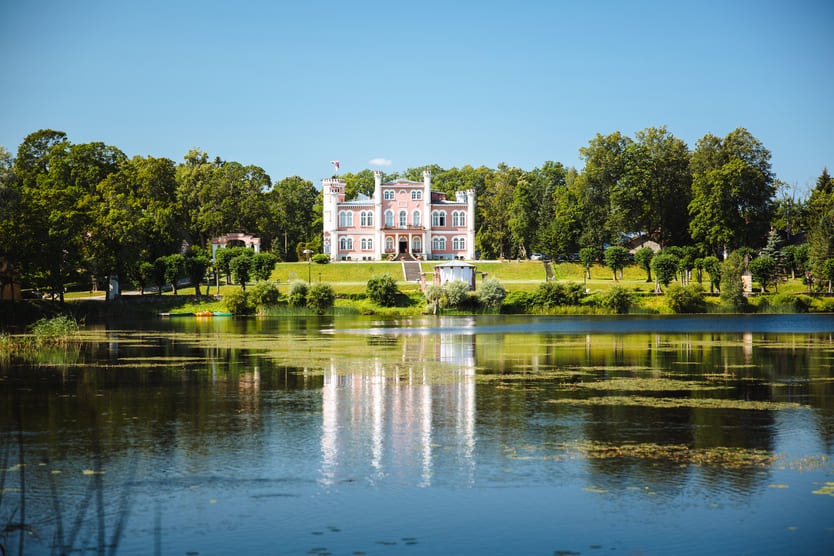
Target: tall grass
(56, 330)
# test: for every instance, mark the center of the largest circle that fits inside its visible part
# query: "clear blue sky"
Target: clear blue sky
(291, 86)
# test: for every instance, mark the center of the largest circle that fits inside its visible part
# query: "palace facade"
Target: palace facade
(402, 217)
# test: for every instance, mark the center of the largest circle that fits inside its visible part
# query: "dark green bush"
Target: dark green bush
(555, 294)
(617, 299)
(518, 301)
(321, 258)
(237, 302)
(320, 297)
(686, 299)
(264, 294)
(297, 294)
(382, 290)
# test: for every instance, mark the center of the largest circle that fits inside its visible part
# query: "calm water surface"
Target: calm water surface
(458, 435)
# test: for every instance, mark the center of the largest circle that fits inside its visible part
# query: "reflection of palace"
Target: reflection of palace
(391, 416)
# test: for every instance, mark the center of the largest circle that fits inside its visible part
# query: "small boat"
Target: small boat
(198, 314)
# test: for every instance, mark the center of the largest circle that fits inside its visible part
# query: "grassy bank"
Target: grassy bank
(349, 280)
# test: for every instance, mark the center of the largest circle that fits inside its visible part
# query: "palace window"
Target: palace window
(367, 218)
(346, 244)
(367, 244)
(438, 244)
(438, 219)
(416, 244)
(403, 219)
(388, 194)
(416, 195)
(458, 219)
(389, 218)
(389, 243)
(459, 244)
(345, 219)
(415, 218)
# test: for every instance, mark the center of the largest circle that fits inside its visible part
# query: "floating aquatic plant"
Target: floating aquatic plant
(670, 403)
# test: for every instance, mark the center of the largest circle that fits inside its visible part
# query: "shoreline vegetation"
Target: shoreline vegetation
(527, 287)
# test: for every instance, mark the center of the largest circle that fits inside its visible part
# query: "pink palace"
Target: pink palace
(403, 217)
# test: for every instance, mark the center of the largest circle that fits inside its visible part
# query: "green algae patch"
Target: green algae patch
(671, 403)
(826, 490)
(721, 456)
(648, 385)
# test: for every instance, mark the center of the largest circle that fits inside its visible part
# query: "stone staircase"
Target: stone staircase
(412, 270)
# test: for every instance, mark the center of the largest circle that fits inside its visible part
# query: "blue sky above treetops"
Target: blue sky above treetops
(290, 86)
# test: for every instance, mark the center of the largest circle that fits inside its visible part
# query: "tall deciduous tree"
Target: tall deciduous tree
(668, 185)
(522, 217)
(604, 168)
(294, 206)
(732, 191)
(493, 237)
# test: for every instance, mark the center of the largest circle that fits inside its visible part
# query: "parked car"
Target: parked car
(539, 257)
(31, 294)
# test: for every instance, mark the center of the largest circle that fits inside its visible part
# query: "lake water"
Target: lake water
(450, 435)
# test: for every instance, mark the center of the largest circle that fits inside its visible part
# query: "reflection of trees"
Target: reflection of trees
(52, 518)
(88, 421)
(746, 367)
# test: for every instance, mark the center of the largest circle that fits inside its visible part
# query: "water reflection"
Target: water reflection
(208, 438)
(396, 413)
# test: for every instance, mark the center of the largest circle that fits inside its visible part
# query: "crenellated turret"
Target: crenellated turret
(333, 193)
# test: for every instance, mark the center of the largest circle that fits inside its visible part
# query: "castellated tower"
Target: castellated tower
(379, 237)
(333, 193)
(427, 210)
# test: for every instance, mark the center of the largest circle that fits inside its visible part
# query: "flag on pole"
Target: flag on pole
(335, 163)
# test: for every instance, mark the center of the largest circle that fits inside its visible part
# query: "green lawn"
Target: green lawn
(351, 277)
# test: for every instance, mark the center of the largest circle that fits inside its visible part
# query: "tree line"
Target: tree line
(72, 211)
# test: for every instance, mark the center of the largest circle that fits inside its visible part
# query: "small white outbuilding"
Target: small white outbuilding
(455, 270)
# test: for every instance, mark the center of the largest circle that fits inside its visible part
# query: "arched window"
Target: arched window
(389, 243)
(345, 219)
(403, 219)
(461, 219)
(370, 244)
(389, 218)
(345, 244)
(367, 218)
(388, 194)
(459, 244)
(416, 195)
(415, 218)
(438, 244)
(416, 244)
(438, 219)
